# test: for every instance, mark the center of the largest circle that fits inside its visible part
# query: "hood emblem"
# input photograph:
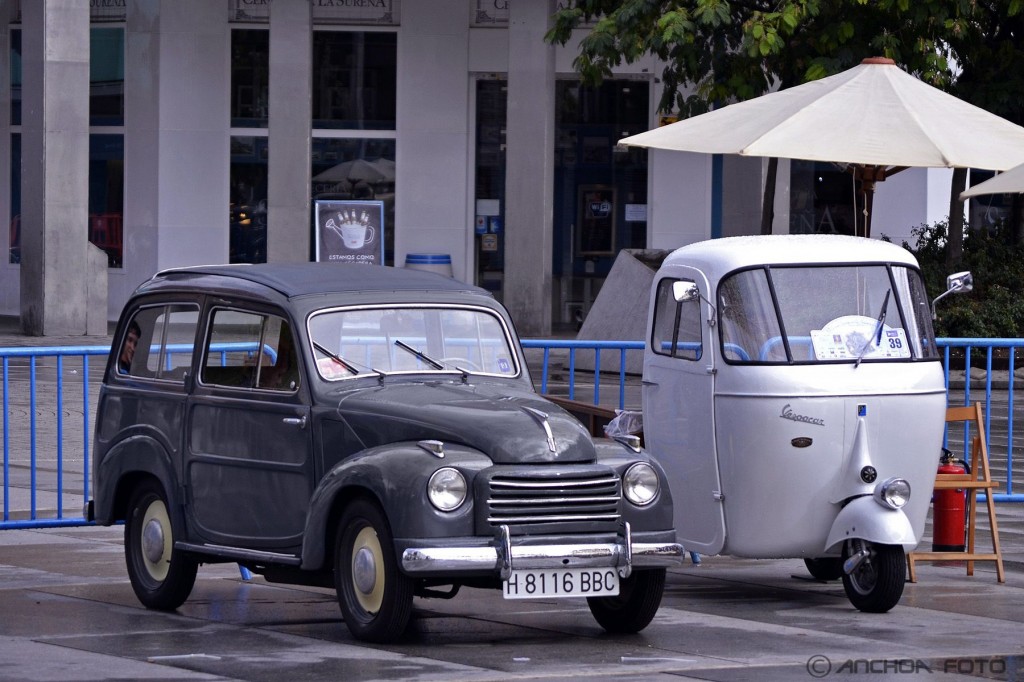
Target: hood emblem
(542, 419)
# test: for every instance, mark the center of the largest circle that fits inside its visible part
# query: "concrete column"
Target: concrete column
(529, 175)
(141, 150)
(54, 166)
(433, 153)
(289, 129)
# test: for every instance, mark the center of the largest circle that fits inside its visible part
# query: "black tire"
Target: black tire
(877, 584)
(827, 568)
(161, 576)
(375, 598)
(634, 607)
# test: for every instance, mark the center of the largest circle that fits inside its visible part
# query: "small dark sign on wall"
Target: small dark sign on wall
(597, 220)
(350, 231)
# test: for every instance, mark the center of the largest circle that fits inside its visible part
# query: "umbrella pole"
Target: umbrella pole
(868, 176)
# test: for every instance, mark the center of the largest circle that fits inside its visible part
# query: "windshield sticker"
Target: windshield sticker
(850, 344)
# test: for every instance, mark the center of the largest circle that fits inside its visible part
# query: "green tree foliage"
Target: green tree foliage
(724, 50)
(995, 308)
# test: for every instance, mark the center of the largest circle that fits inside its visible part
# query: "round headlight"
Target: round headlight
(640, 484)
(893, 493)
(446, 489)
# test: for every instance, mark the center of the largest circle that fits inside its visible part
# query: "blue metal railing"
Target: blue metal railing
(958, 354)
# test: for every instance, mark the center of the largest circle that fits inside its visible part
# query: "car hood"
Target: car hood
(505, 423)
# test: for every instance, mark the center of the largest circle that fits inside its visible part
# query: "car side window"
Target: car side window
(158, 342)
(250, 350)
(677, 325)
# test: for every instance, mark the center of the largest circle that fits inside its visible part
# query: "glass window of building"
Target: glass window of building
(491, 107)
(106, 76)
(15, 77)
(600, 196)
(250, 75)
(354, 79)
(823, 199)
(247, 239)
(354, 82)
(14, 234)
(360, 169)
(106, 196)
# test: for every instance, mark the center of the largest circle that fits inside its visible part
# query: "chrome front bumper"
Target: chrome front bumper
(502, 557)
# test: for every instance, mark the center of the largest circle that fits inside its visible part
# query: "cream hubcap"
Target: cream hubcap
(368, 570)
(156, 540)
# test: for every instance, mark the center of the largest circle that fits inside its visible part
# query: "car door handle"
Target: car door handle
(648, 382)
(296, 421)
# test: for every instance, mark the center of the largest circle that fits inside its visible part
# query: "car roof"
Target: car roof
(301, 279)
(717, 257)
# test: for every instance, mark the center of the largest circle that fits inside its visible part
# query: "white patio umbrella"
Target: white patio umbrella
(1010, 182)
(355, 171)
(875, 117)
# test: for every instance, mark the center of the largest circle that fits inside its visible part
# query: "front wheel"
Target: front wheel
(161, 576)
(876, 584)
(375, 597)
(634, 607)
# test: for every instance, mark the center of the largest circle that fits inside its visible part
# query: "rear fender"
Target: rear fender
(134, 456)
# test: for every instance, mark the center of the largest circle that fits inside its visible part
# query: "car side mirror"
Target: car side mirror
(684, 292)
(957, 283)
(960, 282)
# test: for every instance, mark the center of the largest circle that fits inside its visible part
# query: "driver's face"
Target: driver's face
(128, 352)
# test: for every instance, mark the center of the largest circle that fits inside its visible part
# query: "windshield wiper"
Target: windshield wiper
(336, 358)
(876, 336)
(420, 354)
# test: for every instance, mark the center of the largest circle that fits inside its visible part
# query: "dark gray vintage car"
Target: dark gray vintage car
(365, 428)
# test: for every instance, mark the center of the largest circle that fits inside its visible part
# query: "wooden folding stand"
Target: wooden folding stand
(970, 482)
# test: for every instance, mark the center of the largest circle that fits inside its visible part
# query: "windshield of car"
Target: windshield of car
(827, 313)
(375, 340)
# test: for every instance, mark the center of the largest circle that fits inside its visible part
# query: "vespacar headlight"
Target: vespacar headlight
(446, 489)
(640, 484)
(893, 493)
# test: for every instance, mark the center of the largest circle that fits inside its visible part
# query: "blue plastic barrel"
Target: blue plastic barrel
(441, 263)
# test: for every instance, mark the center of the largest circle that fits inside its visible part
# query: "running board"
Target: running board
(241, 555)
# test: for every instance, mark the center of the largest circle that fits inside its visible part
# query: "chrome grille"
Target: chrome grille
(519, 500)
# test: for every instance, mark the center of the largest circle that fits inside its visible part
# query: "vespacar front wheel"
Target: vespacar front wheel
(375, 597)
(876, 584)
(634, 607)
(161, 576)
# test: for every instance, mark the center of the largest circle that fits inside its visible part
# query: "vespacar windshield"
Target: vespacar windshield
(824, 314)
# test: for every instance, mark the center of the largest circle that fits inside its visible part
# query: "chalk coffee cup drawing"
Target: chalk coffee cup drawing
(356, 235)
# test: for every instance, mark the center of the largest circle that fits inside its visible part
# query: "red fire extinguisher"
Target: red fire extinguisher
(950, 509)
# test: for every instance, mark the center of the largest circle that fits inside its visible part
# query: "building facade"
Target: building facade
(137, 135)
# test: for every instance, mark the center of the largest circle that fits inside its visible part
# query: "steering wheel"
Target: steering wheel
(463, 363)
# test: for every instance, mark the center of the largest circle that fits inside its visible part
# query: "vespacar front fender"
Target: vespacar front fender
(863, 518)
(396, 476)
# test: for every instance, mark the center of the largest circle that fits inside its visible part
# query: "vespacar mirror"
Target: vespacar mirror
(957, 283)
(684, 291)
